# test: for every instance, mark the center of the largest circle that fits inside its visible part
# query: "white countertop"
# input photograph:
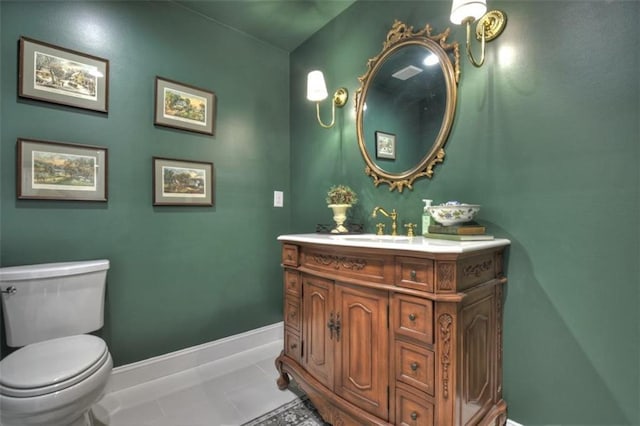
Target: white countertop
(401, 242)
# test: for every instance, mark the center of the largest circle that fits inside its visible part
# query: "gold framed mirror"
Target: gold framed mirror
(406, 104)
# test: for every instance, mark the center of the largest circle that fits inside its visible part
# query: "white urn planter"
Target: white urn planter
(339, 217)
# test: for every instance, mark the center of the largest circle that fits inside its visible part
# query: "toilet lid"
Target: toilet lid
(49, 366)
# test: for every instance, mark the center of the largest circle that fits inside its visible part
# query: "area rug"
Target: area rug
(299, 412)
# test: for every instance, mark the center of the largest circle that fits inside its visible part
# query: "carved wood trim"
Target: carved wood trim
(477, 269)
(499, 320)
(339, 262)
(445, 322)
(446, 276)
(499, 264)
(499, 291)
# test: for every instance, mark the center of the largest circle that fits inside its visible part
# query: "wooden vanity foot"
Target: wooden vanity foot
(283, 378)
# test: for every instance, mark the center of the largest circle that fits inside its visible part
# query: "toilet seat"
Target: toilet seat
(51, 365)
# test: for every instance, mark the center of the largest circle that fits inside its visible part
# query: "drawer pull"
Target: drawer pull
(413, 275)
(293, 346)
(412, 317)
(414, 416)
(414, 366)
(289, 256)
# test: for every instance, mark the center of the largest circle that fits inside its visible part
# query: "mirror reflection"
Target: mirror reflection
(407, 99)
(406, 104)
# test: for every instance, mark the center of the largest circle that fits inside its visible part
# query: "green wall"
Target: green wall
(549, 145)
(179, 276)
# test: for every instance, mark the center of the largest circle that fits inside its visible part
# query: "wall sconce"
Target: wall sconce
(490, 24)
(317, 92)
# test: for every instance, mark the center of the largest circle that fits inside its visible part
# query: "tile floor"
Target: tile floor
(227, 392)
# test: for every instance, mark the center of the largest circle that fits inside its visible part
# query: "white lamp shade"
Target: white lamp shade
(316, 88)
(463, 9)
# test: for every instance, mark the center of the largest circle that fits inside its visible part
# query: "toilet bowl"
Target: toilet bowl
(57, 373)
(53, 382)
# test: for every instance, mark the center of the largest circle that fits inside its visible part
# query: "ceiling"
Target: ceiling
(282, 23)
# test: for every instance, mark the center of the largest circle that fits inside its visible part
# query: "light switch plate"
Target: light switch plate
(278, 199)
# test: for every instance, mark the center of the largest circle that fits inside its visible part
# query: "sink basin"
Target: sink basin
(373, 238)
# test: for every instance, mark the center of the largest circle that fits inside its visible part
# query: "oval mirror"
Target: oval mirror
(406, 104)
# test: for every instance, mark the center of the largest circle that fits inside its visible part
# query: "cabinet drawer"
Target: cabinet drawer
(414, 273)
(413, 317)
(292, 283)
(292, 347)
(348, 262)
(290, 255)
(292, 314)
(411, 410)
(415, 366)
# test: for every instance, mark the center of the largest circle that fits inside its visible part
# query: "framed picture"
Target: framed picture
(385, 145)
(184, 107)
(61, 171)
(182, 182)
(62, 76)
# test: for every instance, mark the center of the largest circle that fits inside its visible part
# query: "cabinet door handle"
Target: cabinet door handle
(412, 317)
(414, 416)
(331, 325)
(414, 366)
(338, 327)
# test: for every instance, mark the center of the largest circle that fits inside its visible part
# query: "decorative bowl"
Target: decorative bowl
(453, 213)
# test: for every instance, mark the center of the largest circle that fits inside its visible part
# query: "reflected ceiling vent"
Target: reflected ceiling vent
(407, 72)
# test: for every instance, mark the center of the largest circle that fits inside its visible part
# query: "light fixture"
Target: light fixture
(317, 92)
(490, 24)
(431, 60)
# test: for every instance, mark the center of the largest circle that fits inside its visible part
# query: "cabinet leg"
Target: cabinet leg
(283, 378)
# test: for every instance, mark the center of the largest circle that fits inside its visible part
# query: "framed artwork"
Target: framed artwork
(182, 182)
(184, 107)
(61, 171)
(62, 76)
(385, 145)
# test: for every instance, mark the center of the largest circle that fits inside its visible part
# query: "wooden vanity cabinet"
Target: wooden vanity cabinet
(387, 337)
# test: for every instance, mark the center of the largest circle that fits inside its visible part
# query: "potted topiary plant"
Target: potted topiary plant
(339, 199)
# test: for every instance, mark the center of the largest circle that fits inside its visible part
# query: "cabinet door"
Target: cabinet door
(318, 338)
(362, 360)
(477, 345)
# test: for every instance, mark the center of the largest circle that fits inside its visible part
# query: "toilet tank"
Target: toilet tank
(41, 302)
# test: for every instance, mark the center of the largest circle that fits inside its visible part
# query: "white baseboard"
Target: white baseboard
(512, 423)
(129, 375)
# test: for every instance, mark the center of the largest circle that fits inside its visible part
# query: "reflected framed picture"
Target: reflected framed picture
(385, 145)
(61, 171)
(184, 107)
(182, 182)
(62, 76)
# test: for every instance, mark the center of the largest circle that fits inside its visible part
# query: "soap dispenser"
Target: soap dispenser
(427, 220)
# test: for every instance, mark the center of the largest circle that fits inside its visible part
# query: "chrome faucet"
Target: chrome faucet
(393, 216)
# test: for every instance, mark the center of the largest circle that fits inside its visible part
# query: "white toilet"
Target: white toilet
(59, 372)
